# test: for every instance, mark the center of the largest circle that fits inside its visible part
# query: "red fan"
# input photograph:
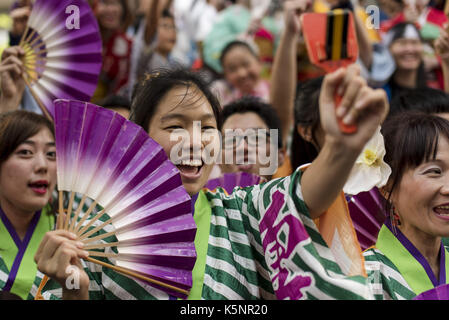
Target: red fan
(331, 43)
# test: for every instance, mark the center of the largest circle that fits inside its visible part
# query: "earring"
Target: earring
(394, 219)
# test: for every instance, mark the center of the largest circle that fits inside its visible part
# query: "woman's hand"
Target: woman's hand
(361, 105)
(12, 83)
(59, 257)
(323, 181)
(441, 45)
(293, 9)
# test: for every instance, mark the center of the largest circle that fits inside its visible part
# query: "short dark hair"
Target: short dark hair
(410, 139)
(307, 115)
(115, 101)
(236, 43)
(149, 92)
(428, 100)
(16, 127)
(254, 104)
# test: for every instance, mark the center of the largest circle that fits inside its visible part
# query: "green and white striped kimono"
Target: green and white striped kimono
(257, 243)
(397, 270)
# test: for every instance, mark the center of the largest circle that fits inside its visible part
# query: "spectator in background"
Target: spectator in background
(255, 144)
(114, 18)
(429, 21)
(153, 42)
(245, 20)
(242, 74)
(19, 13)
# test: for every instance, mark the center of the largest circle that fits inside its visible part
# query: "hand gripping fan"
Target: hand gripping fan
(114, 162)
(331, 43)
(229, 181)
(367, 215)
(63, 52)
(440, 292)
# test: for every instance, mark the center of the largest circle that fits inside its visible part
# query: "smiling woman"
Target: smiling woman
(27, 179)
(409, 256)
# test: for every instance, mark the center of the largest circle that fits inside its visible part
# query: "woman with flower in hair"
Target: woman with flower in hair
(409, 257)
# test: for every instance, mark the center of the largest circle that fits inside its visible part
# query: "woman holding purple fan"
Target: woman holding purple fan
(27, 179)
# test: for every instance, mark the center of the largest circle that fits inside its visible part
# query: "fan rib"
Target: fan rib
(81, 232)
(69, 210)
(137, 275)
(85, 216)
(77, 213)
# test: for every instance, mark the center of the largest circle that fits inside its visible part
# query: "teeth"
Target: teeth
(192, 163)
(443, 207)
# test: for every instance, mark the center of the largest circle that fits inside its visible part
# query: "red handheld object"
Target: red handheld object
(331, 43)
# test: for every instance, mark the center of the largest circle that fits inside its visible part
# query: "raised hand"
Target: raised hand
(360, 105)
(58, 256)
(12, 83)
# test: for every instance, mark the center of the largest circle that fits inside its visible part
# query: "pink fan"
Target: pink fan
(438, 293)
(229, 181)
(367, 214)
(114, 162)
(63, 52)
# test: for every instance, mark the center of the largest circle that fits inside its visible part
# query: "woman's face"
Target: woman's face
(28, 176)
(422, 198)
(109, 14)
(407, 53)
(184, 125)
(241, 69)
(166, 35)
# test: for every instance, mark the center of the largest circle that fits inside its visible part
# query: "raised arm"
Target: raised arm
(442, 49)
(283, 77)
(367, 108)
(12, 84)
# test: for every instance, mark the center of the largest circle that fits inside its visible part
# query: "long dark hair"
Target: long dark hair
(307, 115)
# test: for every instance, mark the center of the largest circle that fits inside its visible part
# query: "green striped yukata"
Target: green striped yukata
(395, 272)
(261, 244)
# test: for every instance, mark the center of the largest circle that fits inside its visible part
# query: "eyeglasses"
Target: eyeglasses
(254, 138)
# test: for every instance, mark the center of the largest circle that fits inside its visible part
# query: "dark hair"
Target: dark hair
(115, 101)
(149, 92)
(411, 138)
(233, 44)
(166, 14)
(253, 104)
(307, 114)
(427, 100)
(16, 127)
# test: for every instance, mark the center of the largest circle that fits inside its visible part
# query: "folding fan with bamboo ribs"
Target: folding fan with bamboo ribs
(104, 158)
(63, 52)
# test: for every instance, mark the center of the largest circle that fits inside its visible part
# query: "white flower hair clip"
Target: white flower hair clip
(369, 170)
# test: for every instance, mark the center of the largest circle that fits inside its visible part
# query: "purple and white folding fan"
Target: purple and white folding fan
(229, 181)
(63, 52)
(440, 292)
(114, 163)
(367, 214)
